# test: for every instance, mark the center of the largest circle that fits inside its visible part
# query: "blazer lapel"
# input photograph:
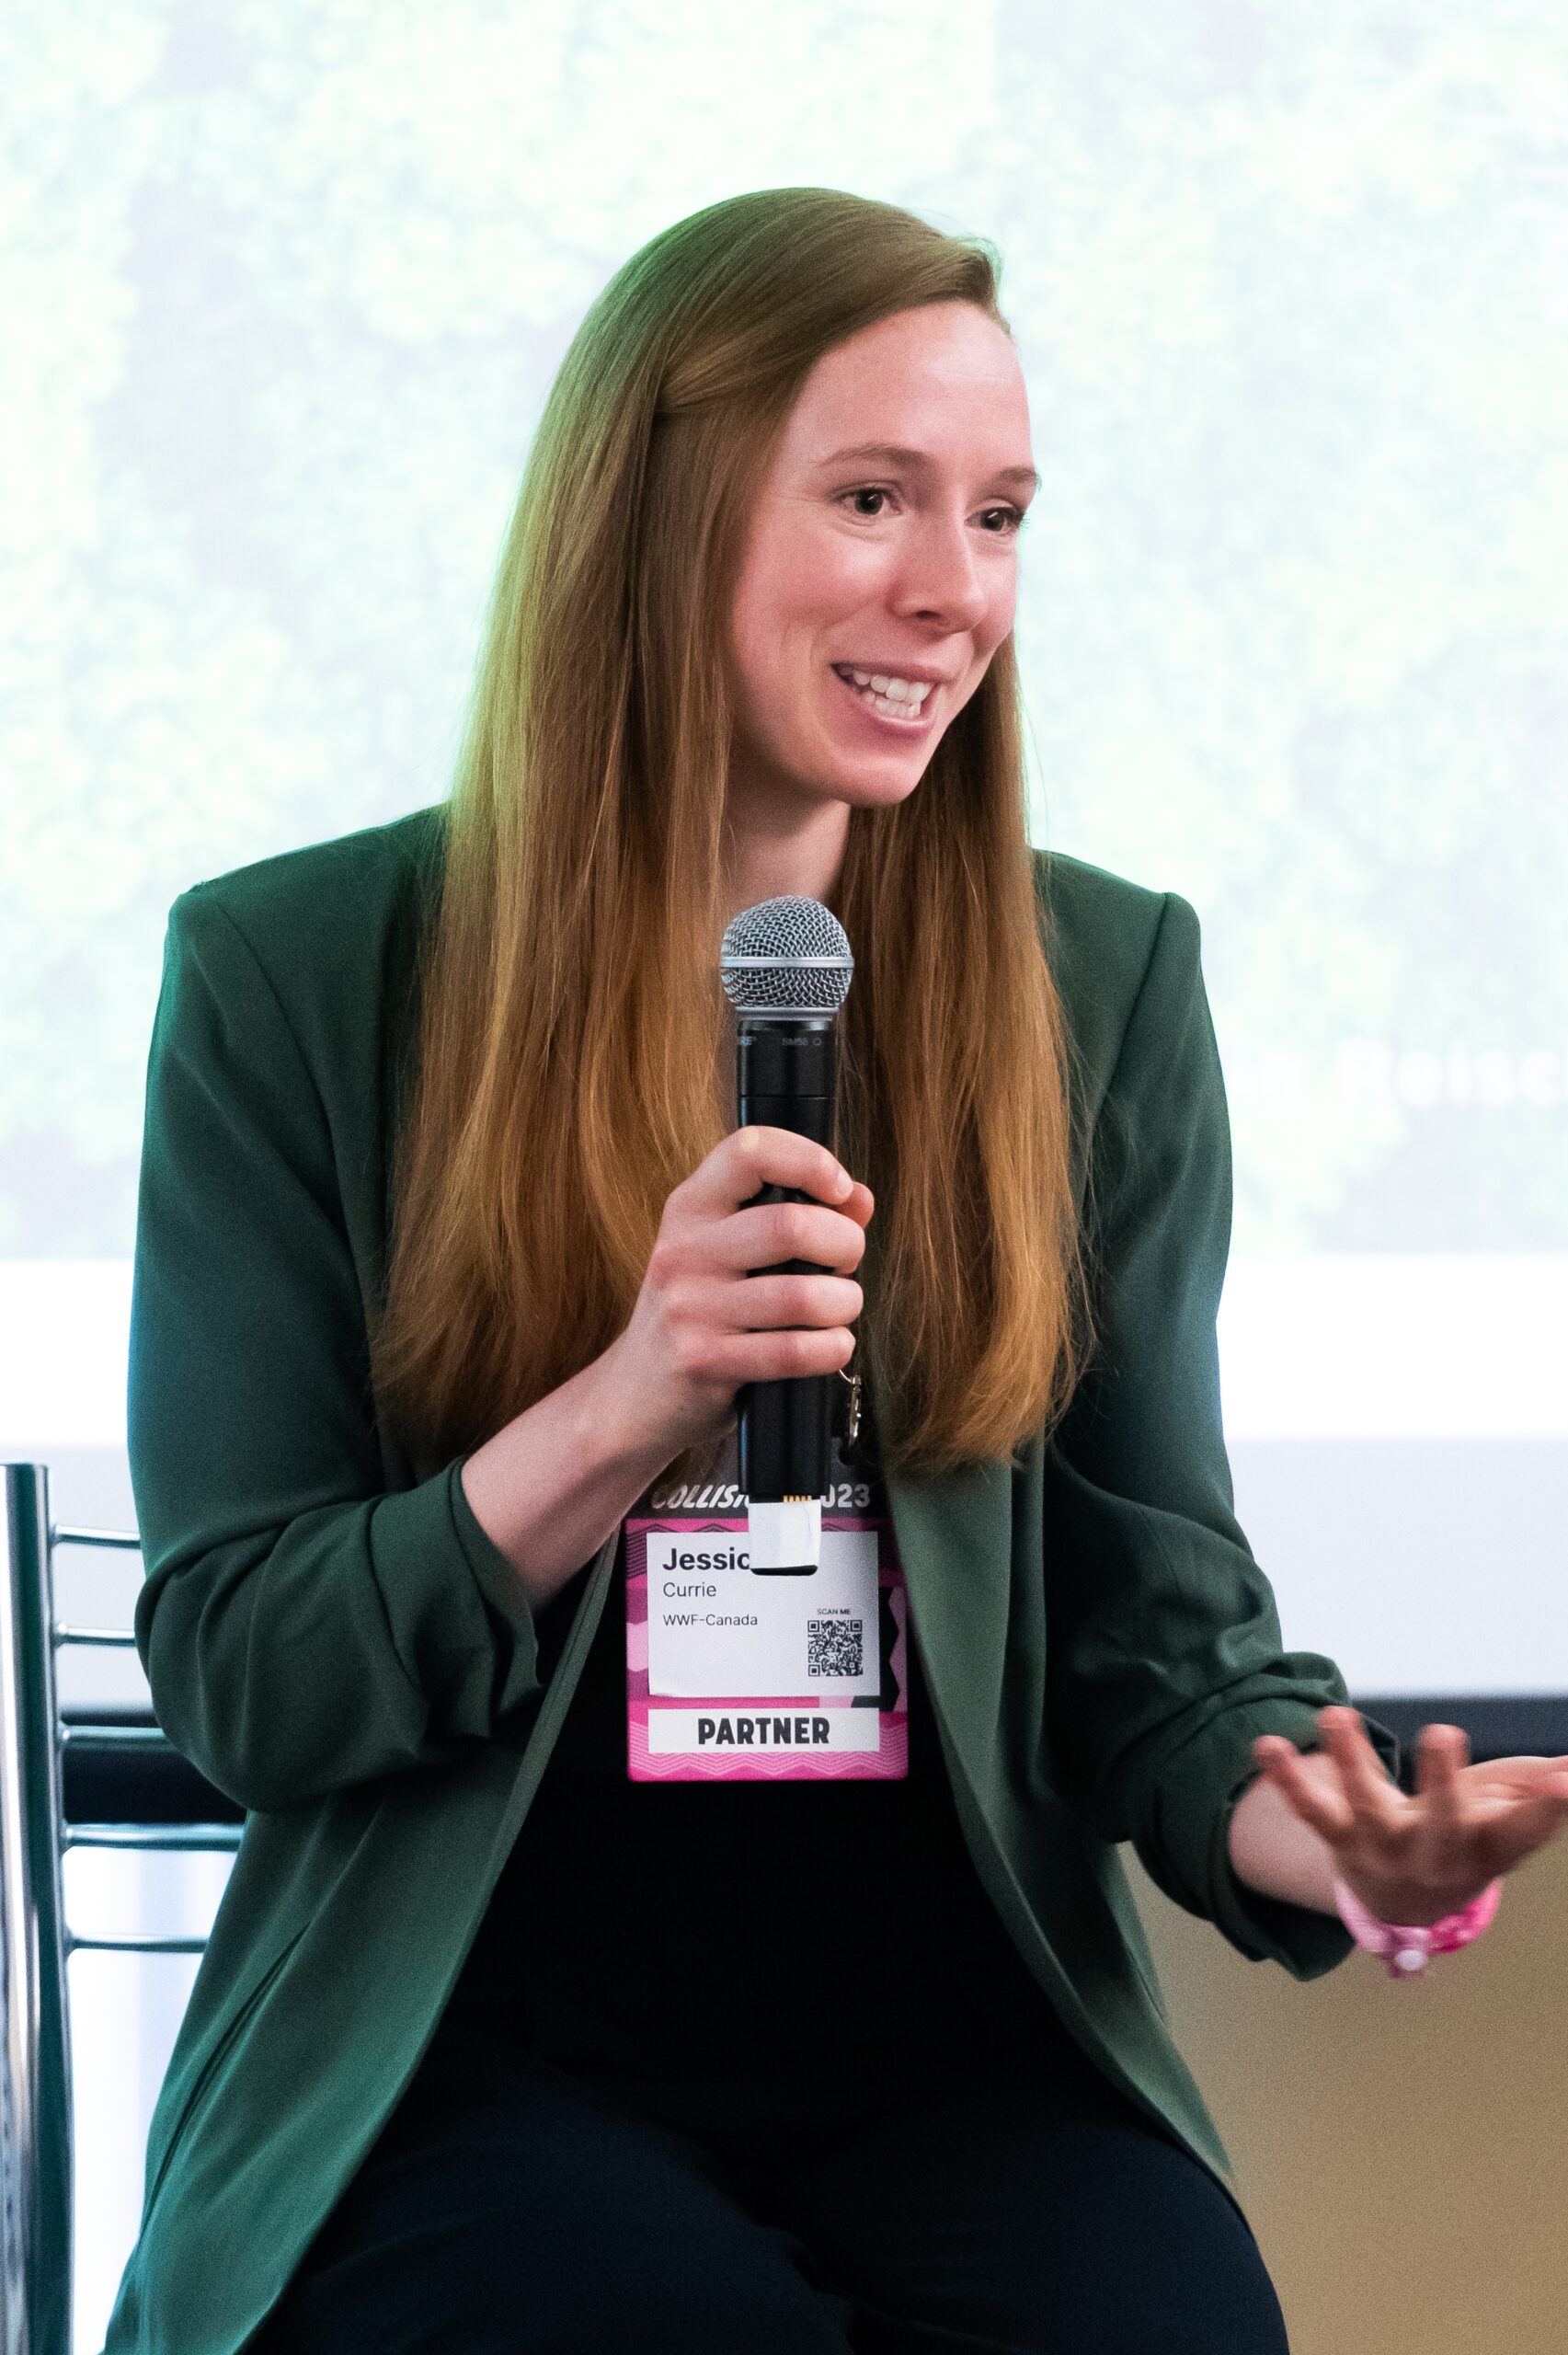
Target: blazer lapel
(956, 1540)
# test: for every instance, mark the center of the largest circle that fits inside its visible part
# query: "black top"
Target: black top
(727, 1932)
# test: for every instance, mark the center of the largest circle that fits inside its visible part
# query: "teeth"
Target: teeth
(912, 691)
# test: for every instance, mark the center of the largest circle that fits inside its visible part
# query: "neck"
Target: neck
(770, 862)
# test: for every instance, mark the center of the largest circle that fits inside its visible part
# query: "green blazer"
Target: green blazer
(332, 1639)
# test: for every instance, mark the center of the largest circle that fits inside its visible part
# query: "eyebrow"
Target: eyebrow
(899, 456)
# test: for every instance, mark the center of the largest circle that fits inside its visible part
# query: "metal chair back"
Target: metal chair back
(67, 1780)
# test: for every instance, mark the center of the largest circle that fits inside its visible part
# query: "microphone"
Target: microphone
(786, 966)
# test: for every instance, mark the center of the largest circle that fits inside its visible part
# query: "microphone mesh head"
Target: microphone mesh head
(785, 956)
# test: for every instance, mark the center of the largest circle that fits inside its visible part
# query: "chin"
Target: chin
(879, 793)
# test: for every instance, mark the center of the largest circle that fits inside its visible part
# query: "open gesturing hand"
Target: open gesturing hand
(1413, 1860)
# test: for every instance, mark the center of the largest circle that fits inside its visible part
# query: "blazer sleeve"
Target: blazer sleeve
(1166, 1659)
(301, 1628)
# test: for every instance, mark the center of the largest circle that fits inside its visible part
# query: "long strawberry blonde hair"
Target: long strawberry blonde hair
(571, 1016)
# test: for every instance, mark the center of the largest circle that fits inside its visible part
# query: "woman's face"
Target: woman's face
(883, 540)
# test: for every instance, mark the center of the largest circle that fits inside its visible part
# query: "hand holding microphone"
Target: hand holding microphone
(704, 1327)
(786, 966)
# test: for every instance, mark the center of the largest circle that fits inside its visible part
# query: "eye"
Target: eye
(1011, 518)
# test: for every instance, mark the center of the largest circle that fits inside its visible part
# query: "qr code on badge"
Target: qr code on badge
(833, 1646)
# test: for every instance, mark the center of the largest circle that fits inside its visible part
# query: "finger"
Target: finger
(1527, 1777)
(1509, 1838)
(754, 1157)
(1441, 1753)
(1318, 1799)
(1367, 1787)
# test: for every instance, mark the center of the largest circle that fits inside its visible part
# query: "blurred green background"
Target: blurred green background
(284, 287)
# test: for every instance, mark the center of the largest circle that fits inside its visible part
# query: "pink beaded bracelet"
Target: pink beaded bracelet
(1405, 1947)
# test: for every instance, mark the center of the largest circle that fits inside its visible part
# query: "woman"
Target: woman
(505, 2039)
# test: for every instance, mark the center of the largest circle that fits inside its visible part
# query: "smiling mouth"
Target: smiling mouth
(906, 711)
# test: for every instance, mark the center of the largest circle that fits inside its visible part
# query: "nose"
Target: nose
(939, 579)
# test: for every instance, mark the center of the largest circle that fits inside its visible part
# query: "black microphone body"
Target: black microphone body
(786, 1077)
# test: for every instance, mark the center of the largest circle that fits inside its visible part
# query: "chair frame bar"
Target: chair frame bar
(35, 1940)
(35, 2246)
